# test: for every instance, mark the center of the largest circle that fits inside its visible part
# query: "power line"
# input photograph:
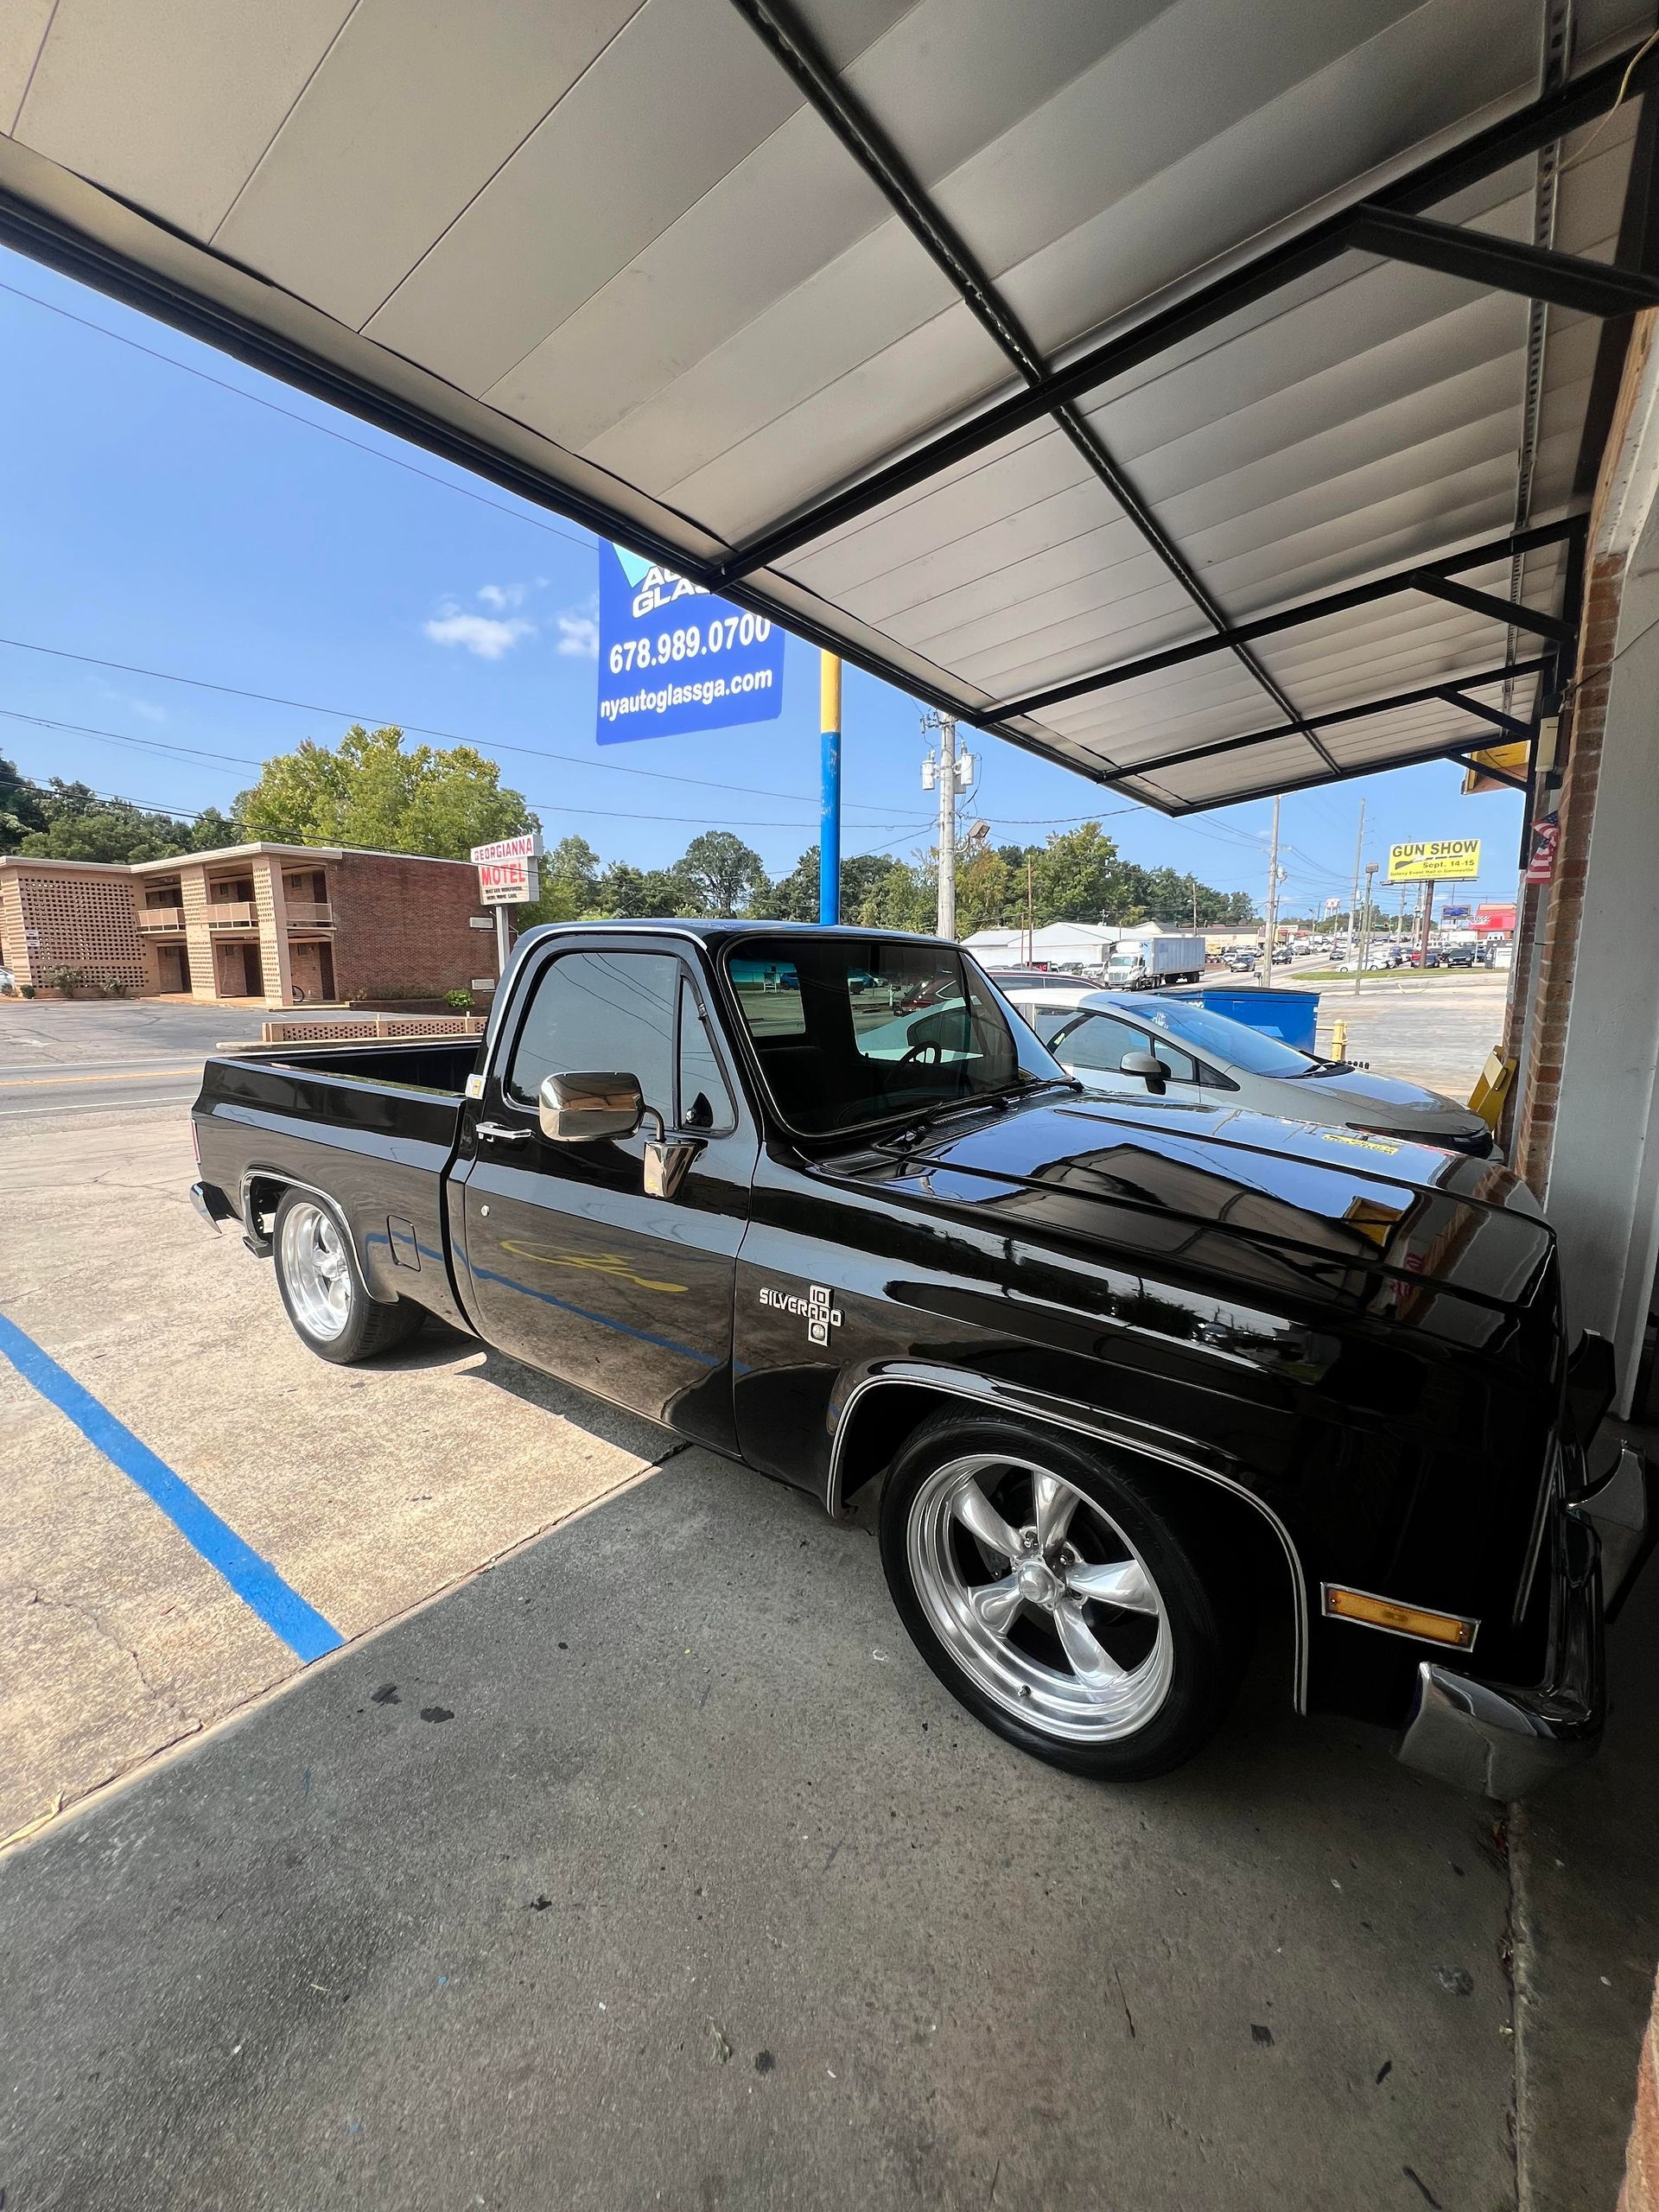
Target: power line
(306, 422)
(410, 729)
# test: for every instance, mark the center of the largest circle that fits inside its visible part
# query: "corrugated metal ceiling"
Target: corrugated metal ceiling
(638, 262)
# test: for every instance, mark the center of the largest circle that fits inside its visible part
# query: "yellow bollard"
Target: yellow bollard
(1338, 1040)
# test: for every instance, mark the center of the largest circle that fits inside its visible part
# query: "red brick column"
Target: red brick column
(1559, 957)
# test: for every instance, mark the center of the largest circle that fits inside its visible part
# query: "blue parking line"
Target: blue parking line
(255, 1581)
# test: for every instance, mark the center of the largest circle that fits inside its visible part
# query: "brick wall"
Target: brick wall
(1583, 727)
(401, 926)
(1558, 956)
(85, 919)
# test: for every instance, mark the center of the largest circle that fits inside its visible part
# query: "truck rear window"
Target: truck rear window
(849, 1031)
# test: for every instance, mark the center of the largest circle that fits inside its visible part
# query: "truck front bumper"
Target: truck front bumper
(1507, 1741)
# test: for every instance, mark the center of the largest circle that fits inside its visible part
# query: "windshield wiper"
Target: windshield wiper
(999, 1101)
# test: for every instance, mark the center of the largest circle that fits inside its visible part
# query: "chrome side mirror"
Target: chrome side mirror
(1148, 1065)
(576, 1109)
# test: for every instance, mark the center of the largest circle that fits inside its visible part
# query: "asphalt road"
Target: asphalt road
(60, 1056)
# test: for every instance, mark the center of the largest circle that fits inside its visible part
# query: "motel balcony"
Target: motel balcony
(162, 921)
(232, 914)
(309, 914)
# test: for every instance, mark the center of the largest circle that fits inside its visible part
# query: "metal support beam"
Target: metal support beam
(1571, 530)
(1480, 767)
(1539, 123)
(1118, 769)
(1511, 725)
(794, 47)
(1318, 781)
(1512, 615)
(1565, 280)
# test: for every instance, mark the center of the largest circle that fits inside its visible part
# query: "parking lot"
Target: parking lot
(621, 1834)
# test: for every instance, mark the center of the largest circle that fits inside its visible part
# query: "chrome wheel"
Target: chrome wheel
(1040, 1597)
(317, 1270)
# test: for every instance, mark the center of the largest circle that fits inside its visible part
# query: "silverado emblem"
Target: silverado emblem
(820, 1315)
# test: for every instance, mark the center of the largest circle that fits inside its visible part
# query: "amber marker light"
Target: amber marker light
(1453, 1629)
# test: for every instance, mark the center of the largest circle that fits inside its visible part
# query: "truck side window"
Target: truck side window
(594, 1013)
(705, 1101)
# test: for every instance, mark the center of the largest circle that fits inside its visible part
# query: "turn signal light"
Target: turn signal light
(1454, 1628)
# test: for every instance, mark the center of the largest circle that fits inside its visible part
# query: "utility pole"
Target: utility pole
(1353, 903)
(1272, 899)
(1192, 885)
(1426, 930)
(1030, 949)
(947, 771)
(1363, 952)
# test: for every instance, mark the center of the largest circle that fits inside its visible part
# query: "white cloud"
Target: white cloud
(503, 597)
(579, 630)
(479, 633)
(151, 712)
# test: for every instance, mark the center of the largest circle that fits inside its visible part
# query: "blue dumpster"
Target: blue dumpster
(1292, 1016)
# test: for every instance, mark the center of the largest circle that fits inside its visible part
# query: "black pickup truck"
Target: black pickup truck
(1131, 1374)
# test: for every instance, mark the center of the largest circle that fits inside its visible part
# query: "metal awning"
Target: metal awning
(1205, 398)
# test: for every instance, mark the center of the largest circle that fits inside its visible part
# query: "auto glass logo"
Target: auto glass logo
(654, 587)
(820, 1315)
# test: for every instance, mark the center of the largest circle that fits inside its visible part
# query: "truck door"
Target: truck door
(574, 1268)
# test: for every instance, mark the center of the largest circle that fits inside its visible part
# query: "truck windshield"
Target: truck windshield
(855, 1030)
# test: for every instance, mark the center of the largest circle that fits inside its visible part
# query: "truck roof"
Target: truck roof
(712, 930)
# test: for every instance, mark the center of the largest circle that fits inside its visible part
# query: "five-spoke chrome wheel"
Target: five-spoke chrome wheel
(317, 1268)
(1040, 1597)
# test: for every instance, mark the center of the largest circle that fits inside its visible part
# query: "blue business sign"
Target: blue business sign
(673, 657)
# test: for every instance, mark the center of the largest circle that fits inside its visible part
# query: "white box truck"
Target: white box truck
(1142, 963)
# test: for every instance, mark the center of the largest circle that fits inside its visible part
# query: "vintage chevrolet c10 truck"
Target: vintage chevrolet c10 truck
(1131, 1373)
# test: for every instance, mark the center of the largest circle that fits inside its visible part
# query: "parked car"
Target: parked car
(1241, 963)
(1097, 1035)
(1127, 1371)
(1460, 955)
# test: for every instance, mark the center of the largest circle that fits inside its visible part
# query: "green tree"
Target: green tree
(673, 893)
(1075, 877)
(905, 896)
(986, 887)
(728, 874)
(794, 897)
(78, 825)
(621, 894)
(570, 877)
(369, 791)
(19, 806)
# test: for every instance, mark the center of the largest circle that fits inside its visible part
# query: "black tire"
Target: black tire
(1196, 1671)
(368, 1327)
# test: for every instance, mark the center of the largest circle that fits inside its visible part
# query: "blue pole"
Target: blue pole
(830, 801)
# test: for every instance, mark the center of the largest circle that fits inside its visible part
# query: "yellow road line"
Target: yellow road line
(127, 1075)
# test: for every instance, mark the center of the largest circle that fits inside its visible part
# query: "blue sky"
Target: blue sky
(158, 519)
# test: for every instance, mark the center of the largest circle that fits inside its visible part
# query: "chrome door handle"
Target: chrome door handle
(502, 1133)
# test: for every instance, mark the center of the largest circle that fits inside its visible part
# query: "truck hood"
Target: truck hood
(1309, 1212)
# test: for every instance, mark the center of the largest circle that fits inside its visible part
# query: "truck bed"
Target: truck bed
(372, 1125)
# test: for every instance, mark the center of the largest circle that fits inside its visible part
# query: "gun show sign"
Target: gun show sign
(1443, 860)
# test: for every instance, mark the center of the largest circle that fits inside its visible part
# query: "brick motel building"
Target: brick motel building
(276, 925)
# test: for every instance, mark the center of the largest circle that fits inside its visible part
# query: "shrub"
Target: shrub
(27, 990)
(458, 1001)
(69, 981)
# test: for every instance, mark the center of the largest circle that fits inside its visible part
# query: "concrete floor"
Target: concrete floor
(1435, 1029)
(649, 1864)
(369, 1488)
(653, 1866)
